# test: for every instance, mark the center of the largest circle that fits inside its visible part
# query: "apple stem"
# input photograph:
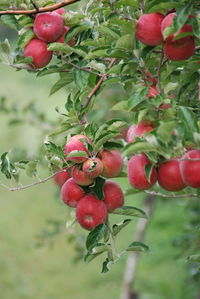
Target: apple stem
(112, 241)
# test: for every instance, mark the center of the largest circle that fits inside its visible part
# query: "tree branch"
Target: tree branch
(38, 10)
(189, 195)
(131, 265)
(82, 68)
(32, 184)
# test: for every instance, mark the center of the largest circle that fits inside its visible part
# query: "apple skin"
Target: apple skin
(62, 177)
(148, 29)
(60, 10)
(61, 40)
(180, 49)
(80, 177)
(93, 167)
(71, 193)
(138, 130)
(75, 144)
(169, 176)
(90, 212)
(113, 196)
(168, 21)
(112, 162)
(153, 92)
(37, 49)
(48, 26)
(190, 170)
(136, 172)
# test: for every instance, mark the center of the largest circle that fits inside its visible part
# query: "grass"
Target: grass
(28, 272)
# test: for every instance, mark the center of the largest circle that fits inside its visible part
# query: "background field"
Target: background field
(29, 272)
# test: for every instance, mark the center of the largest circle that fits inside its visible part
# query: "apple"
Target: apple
(113, 196)
(136, 172)
(37, 49)
(112, 162)
(150, 78)
(148, 29)
(169, 176)
(168, 20)
(90, 212)
(60, 11)
(71, 193)
(80, 177)
(76, 143)
(180, 49)
(93, 167)
(190, 170)
(152, 92)
(48, 26)
(62, 177)
(61, 40)
(138, 130)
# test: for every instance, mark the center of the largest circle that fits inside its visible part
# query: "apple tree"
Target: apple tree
(150, 50)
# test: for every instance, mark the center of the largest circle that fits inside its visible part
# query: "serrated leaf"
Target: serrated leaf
(137, 246)
(31, 168)
(95, 236)
(119, 226)
(130, 211)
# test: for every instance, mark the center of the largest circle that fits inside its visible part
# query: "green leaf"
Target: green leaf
(64, 48)
(25, 38)
(119, 226)
(31, 168)
(130, 211)
(121, 106)
(194, 258)
(137, 98)
(107, 31)
(189, 120)
(10, 21)
(183, 13)
(7, 168)
(95, 236)
(98, 187)
(137, 246)
(158, 5)
(126, 42)
(61, 83)
(106, 266)
(138, 147)
(77, 154)
(165, 130)
(63, 128)
(148, 171)
(5, 46)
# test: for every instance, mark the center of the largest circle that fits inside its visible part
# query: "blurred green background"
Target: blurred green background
(49, 272)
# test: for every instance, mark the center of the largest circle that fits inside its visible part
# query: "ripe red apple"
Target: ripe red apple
(190, 170)
(90, 212)
(112, 162)
(167, 21)
(180, 49)
(138, 130)
(61, 40)
(152, 92)
(76, 144)
(60, 11)
(93, 167)
(37, 49)
(48, 26)
(169, 176)
(62, 177)
(80, 177)
(136, 172)
(150, 78)
(71, 193)
(113, 196)
(148, 29)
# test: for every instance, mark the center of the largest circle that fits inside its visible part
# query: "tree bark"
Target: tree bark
(131, 265)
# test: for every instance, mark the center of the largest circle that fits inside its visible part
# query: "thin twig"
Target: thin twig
(94, 90)
(82, 68)
(38, 10)
(32, 184)
(159, 71)
(189, 195)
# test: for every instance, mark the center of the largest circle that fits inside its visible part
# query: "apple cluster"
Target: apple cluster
(48, 28)
(172, 175)
(76, 183)
(150, 30)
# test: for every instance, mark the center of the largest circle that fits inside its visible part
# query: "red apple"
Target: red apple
(138, 130)
(93, 167)
(62, 177)
(112, 162)
(37, 49)
(48, 26)
(136, 172)
(152, 92)
(190, 170)
(71, 193)
(168, 21)
(148, 29)
(90, 212)
(113, 196)
(150, 78)
(76, 143)
(180, 49)
(80, 177)
(60, 11)
(169, 176)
